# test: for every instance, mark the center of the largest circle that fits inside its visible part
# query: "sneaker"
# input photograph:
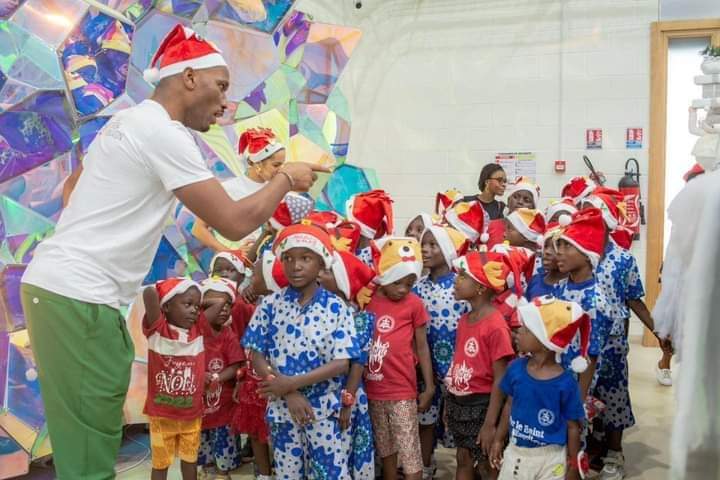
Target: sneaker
(427, 473)
(614, 468)
(663, 375)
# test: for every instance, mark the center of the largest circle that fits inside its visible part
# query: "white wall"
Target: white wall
(437, 87)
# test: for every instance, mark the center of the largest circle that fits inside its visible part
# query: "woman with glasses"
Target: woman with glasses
(492, 184)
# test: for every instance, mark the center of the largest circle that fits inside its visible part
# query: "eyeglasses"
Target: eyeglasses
(502, 180)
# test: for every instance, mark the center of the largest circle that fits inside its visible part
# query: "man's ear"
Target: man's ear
(189, 77)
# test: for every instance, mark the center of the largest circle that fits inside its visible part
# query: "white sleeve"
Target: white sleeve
(175, 158)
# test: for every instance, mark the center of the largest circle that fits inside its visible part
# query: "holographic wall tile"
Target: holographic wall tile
(261, 15)
(50, 20)
(14, 319)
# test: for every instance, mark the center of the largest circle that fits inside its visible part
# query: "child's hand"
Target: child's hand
(496, 454)
(572, 474)
(425, 399)
(277, 386)
(300, 410)
(236, 391)
(485, 437)
(249, 295)
(345, 415)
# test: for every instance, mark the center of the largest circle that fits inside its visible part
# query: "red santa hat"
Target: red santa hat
(326, 220)
(529, 222)
(373, 212)
(180, 49)
(525, 184)
(520, 262)
(611, 203)
(219, 284)
(257, 144)
(469, 218)
(293, 208)
(171, 287)
(696, 170)
(236, 258)
(555, 323)
(345, 237)
(552, 230)
(305, 236)
(623, 237)
(564, 205)
(444, 200)
(487, 268)
(351, 274)
(272, 272)
(397, 258)
(585, 231)
(578, 188)
(452, 242)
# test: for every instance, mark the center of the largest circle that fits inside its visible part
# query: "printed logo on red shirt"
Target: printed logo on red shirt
(471, 347)
(378, 350)
(385, 324)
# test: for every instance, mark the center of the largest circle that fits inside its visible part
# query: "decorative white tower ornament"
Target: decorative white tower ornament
(707, 148)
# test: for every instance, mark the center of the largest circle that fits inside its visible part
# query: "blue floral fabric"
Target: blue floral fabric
(619, 277)
(611, 385)
(219, 447)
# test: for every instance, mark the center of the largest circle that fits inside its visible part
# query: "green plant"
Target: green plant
(711, 51)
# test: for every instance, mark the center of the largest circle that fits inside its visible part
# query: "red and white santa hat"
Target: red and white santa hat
(236, 258)
(272, 272)
(293, 208)
(471, 219)
(586, 231)
(529, 222)
(611, 203)
(696, 170)
(311, 237)
(552, 230)
(171, 287)
(327, 220)
(489, 269)
(444, 200)
(345, 236)
(180, 49)
(219, 284)
(520, 261)
(351, 274)
(555, 323)
(373, 212)
(257, 144)
(525, 184)
(578, 188)
(397, 258)
(563, 206)
(623, 237)
(452, 243)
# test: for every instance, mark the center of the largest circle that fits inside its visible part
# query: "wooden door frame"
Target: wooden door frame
(661, 33)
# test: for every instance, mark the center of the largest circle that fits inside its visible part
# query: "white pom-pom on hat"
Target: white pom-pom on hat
(151, 75)
(579, 364)
(484, 238)
(564, 220)
(31, 374)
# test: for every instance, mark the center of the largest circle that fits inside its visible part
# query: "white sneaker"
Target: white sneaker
(663, 376)
(614, 466)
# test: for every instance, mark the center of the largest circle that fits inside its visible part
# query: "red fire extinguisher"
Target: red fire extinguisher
(629, 186)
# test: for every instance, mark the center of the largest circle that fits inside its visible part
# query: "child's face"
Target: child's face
(568, 257)
(182, 310)
(326, 279)
(416, 228)
(399, 289)
(302, 266)
(223, 268)
(223, 315)
(258, 281)
(527, 342)
(431, 253)
(520, 199)
(512, 235)
(268, 168)
(549, 256)
(466, 287)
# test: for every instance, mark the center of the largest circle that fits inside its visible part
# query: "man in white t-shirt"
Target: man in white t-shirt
(140, 164)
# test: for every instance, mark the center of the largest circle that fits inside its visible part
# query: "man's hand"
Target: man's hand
(303, 174)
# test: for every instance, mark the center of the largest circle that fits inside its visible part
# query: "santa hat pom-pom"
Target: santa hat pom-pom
(151, 75)
(579, 364)
(484, 238)
(564, 220)
(31, 374)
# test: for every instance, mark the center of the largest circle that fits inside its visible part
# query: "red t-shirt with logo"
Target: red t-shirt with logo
(222, 349)
(176, 370)
(477, 346)
(390, 374)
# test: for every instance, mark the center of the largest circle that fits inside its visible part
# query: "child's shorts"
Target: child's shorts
(466, 416)
(538, 463)
(395, 424)
(170, 438)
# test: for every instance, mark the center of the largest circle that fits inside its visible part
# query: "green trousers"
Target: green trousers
(83, 353)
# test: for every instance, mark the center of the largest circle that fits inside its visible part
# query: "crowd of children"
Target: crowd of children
(346, 352)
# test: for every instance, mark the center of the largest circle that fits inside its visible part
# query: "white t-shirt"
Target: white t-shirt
(237, 188)
(106, 238)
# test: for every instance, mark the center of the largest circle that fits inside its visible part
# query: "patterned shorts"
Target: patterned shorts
(395, 424)
(611, 384)
(170, 438)
(219, 446)
(465, 417)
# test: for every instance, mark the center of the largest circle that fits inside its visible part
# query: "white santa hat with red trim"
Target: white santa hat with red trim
(220, 285)
(272, 272)
(373, 212)
(311, 237)
(398, 257)
(529, 222)
(578, 188)
(258, 144)
(237, 260)
(564, 205)
(172, 287)
(180, 49)
(444, 200)
(293, 208)
(555, 323)
(452, 243)
(525, 184)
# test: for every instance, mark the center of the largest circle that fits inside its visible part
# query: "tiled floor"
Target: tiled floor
(646, 444)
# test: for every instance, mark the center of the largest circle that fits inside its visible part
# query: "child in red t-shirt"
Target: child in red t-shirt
(391, 381)
(223, 356)
(174, 323)
(482, 349)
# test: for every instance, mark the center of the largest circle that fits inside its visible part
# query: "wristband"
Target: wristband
(289, 178)
(347, 398)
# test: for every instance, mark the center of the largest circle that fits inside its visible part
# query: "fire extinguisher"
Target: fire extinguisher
(629, 186)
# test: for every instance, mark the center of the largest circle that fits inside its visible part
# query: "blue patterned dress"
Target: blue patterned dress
(296, 339)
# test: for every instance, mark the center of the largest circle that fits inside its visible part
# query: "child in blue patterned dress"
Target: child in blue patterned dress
(302, 338)
(349, 278)
(544, 281)
(440, 247)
